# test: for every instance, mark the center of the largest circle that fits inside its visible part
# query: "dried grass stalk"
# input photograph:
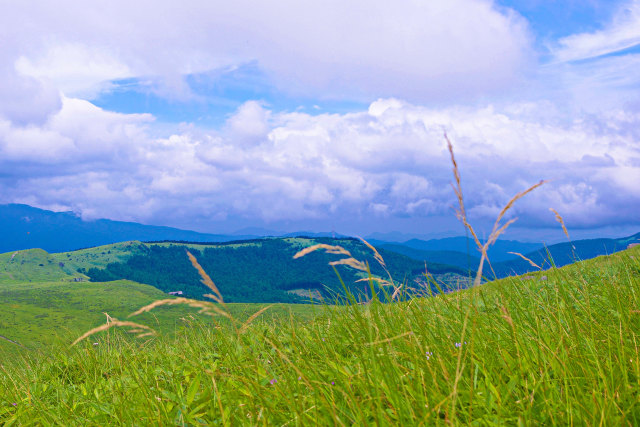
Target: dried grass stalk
(561, 221)
(336, 250)
(351, 262)
(136, 328)
(376, 254)
(382, 282)
(498, 228)
(246, 324)
(206, 280)
(204, 306)
(396, 292)
(533, 264)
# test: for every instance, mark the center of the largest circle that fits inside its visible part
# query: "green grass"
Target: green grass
(99, 256)
(31, 265)
(42, 316)
(519, 351)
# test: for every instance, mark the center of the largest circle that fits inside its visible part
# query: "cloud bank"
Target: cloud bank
(407, 49)
(465, 67)
(389, 161)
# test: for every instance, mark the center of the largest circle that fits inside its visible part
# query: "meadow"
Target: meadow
(554, 347)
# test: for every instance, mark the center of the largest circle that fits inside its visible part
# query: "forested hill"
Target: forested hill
(264, 270)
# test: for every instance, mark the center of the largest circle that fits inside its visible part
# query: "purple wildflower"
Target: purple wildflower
(273, 381)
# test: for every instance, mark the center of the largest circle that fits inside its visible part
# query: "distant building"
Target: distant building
(175, 293)
(78, 279)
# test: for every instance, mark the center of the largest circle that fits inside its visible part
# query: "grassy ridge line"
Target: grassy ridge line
(556, 351)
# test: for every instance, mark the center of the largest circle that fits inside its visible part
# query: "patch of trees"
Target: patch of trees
(262, 271)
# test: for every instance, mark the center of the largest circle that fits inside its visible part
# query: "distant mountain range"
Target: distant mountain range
(562, 254)
(26, 227)
(458, 250)
(463, 252)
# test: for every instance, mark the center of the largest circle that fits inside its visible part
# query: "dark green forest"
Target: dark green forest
(262, 270)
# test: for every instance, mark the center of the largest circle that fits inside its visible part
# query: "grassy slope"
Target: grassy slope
(43, 315)
(33, 265)
(561, 350)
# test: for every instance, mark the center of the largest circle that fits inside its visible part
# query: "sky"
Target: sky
(296, 115)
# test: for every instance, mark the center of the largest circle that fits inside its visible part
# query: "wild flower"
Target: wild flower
(428, 354)
(273, 381)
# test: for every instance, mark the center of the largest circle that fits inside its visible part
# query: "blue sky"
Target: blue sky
(297, 115)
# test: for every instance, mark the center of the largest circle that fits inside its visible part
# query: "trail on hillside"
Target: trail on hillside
(11, 341)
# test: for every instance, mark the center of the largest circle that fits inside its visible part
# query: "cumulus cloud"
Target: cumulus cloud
(576, 122)
(389, 161)
(413, 50)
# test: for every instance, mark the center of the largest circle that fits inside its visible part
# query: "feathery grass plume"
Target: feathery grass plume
(206, 280)
(376, 254)
(351, 262)
(383, 282)
(498, 228)
(561, 221)
(336, 250)
(142, 330)
(204, 306)
(339, 250)
(246, 324)
(380, 260)
(533, 264)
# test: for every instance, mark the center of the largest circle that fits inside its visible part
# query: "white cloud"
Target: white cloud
(622, 33)
(413, 50)
(389, 161)
(74, 68)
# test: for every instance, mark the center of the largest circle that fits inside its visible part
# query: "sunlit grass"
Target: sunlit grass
(556, 351)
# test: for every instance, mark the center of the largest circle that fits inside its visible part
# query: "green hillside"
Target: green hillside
(256, 271)
(261, 270)
(37, 316)
(32, 265)
(558, 347)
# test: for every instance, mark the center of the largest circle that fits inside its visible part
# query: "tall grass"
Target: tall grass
(558, 351)
(555, 349)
